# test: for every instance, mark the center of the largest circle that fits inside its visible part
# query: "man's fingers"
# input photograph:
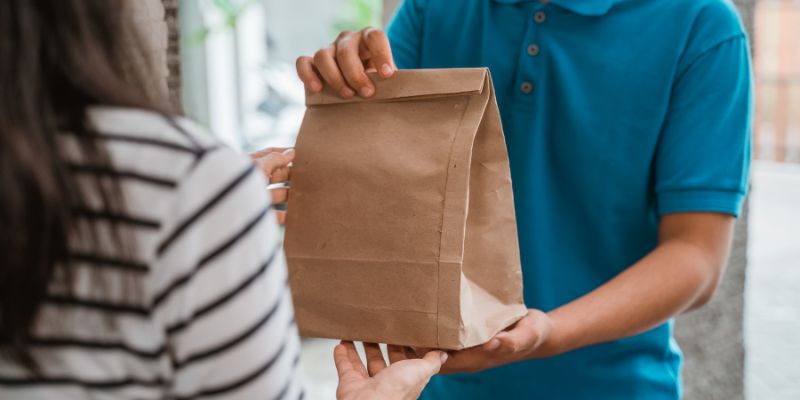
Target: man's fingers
(306, 72)
(397, 354)
(493, 344)
(421, 351)
(325, 62)
(375, 361)
(509, 342)
(520, 336)
(411, 354)
(377, 44)
(352, 66)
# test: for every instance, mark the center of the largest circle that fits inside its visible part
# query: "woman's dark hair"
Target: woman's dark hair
(58, 58)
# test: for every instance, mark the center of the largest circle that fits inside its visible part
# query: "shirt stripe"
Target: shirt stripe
(109, 262)
(162, 248)
(141, 222)
(119, 174)
(206, 259)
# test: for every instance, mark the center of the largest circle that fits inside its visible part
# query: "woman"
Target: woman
(140, 259)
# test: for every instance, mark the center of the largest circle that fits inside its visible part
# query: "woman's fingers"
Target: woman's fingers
(433, 362)
(281, 174)
(375, 361)
(263, 152)
(347, 361)
(279, 196)
(325, 61)
(343, 364)
(281, 216)
(274, 165)
(308, 74)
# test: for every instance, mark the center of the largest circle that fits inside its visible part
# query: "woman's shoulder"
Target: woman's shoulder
(171, 145)
(170, 169)
(150, 127)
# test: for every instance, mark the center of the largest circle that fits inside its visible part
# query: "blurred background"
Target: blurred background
(232, 69)
(238, 61)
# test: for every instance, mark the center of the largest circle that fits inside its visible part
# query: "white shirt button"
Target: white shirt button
(533, 50)
(526, 87)
(539, 17)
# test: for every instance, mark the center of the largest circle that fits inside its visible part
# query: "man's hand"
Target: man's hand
(531, 337)
(275, 164)
(343, 64)
(404, 379)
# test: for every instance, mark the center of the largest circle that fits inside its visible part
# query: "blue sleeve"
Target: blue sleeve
(703, 157)
(405, 34)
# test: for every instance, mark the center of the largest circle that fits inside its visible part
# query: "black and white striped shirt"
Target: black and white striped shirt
(211, 317)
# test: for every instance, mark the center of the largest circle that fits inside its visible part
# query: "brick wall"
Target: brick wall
(173, 51)
(158, 21)
(149, 15)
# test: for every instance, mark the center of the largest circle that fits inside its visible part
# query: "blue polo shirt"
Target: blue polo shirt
(616, 112)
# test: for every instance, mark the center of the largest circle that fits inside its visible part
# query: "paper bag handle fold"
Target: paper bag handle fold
(412, 83)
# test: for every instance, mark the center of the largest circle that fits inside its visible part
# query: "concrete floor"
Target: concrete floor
(318, 368)
(772, 316)
(772, 321)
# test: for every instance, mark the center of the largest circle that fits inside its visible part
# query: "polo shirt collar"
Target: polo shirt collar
(584, 7)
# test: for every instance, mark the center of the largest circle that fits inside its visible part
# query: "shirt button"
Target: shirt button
(533, 50)
(526, 87)
(539, 17)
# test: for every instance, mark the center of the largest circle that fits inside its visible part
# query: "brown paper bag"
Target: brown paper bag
(400, 225)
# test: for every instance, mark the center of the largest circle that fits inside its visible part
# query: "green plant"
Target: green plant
(231, 10)
(359, 14)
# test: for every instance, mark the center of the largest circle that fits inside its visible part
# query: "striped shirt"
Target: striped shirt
(200, 310)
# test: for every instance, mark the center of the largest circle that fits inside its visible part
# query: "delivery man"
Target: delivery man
(627, 124)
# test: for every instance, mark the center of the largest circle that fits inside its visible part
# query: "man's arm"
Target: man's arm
(700, 179)
(681, 274)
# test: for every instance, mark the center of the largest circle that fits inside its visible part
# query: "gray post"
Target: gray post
(389, 6)
(712, 338)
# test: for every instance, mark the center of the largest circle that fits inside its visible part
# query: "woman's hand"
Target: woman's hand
(531, 337)
(275, 163)
(404, 379)
(343, 64)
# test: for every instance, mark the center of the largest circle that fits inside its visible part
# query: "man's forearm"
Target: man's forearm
(677, 276)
